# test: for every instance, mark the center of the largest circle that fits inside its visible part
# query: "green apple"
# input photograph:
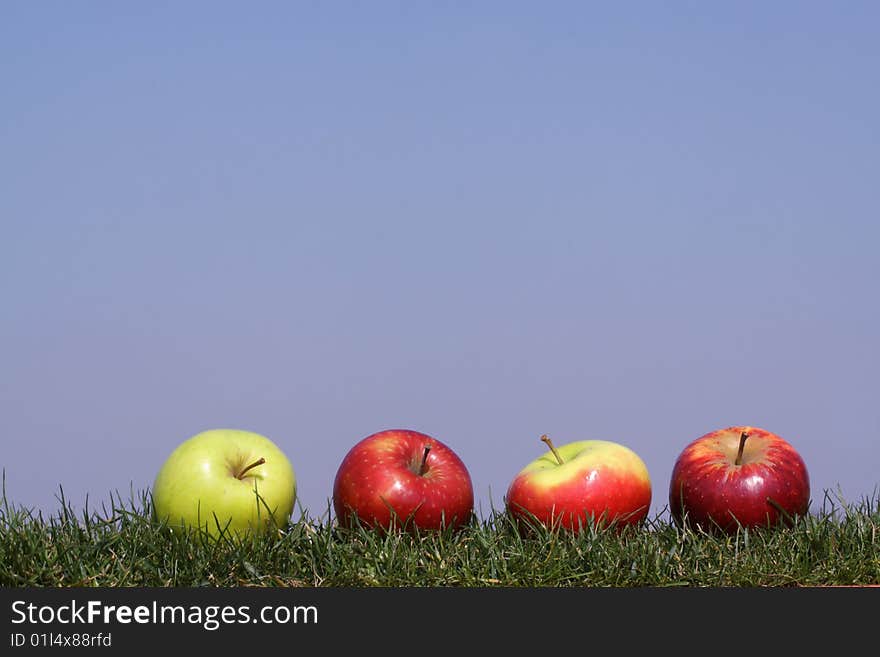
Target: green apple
(225, 480)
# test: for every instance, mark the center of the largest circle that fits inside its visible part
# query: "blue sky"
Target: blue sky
(635, 222)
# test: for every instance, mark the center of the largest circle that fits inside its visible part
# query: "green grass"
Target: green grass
(120, 546)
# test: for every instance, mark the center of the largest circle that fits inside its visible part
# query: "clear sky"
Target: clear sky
(636, 222)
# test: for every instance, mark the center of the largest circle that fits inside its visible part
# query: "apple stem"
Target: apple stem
(742, 444)
(546, 439)
(259, 461)
(423, 468)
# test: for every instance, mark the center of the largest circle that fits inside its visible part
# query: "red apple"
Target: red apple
(399, 477)
(739, 476)
(582, 482)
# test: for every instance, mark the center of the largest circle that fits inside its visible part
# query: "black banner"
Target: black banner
(124, 619)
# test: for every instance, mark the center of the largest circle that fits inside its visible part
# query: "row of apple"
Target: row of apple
(239, 481)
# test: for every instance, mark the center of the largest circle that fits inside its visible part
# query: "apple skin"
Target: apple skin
(378, 483)
(199, 481)
(710, 491)
(600, 482)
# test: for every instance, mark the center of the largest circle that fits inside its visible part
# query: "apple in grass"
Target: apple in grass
(584, 482)
(740, 476)
(225, 481)
(399, 478)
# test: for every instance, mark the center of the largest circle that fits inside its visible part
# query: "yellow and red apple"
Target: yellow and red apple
(584, 482)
